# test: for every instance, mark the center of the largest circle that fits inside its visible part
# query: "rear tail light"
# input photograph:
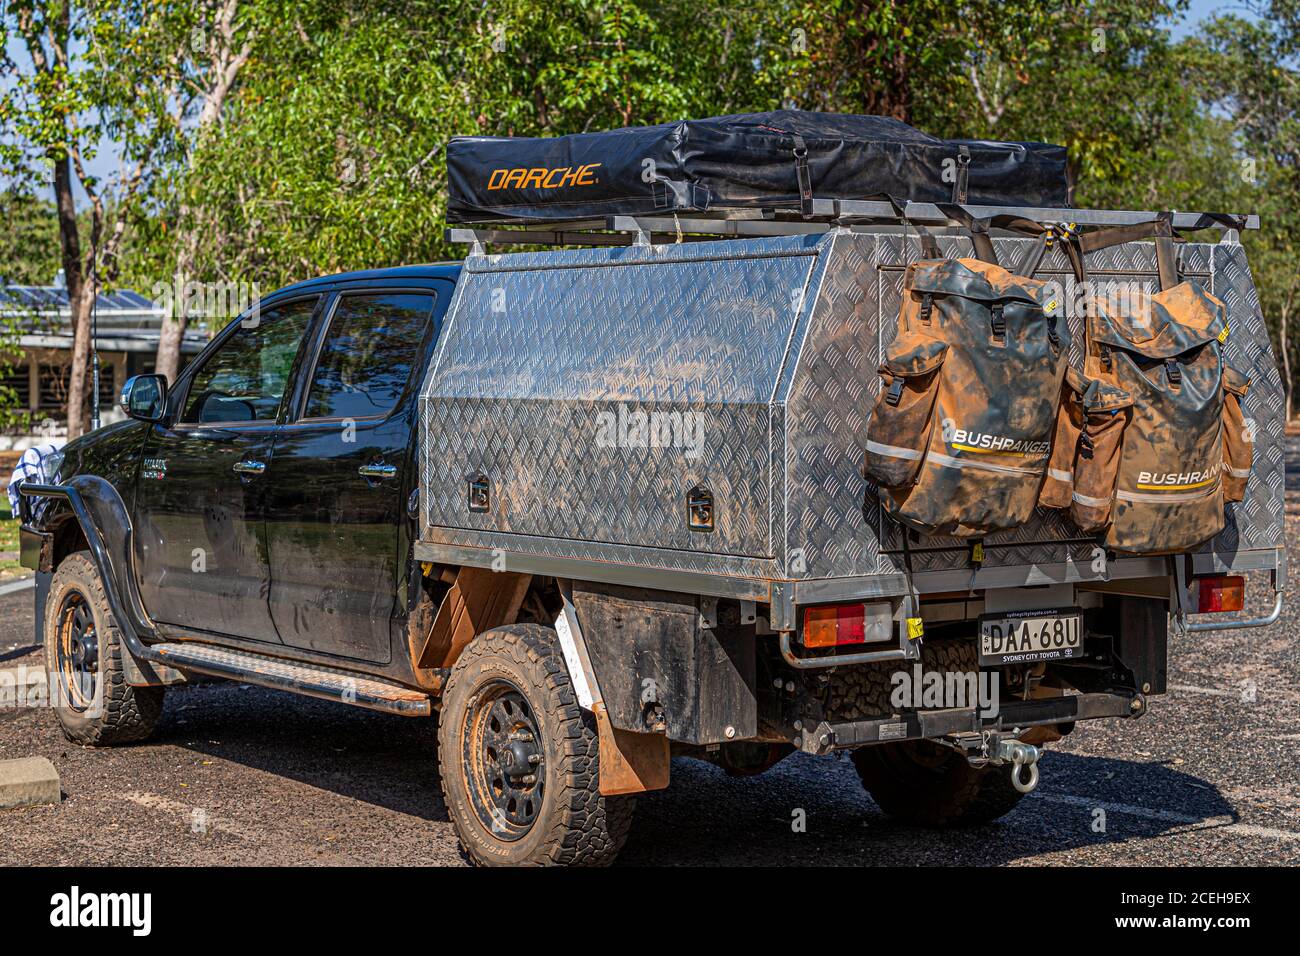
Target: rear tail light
(1223, 593)
(835, 624)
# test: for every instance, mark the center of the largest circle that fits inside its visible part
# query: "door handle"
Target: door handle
(249, 467)
(378, 471)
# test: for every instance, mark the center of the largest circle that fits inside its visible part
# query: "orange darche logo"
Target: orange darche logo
(542, 178)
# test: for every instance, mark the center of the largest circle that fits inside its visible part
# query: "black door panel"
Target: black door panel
(201, 548)
(336, 481)
(332, 536)
(200, 536)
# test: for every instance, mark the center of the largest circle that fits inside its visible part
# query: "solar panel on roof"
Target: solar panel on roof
(53, 297)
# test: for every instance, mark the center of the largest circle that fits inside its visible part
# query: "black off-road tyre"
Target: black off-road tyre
(930, 785)
(570, 824)
(114, 712)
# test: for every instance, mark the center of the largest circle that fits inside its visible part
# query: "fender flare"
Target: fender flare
(106, 523)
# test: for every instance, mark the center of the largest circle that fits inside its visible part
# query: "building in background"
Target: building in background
(128, 326)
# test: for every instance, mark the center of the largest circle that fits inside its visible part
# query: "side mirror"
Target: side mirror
(144, 397)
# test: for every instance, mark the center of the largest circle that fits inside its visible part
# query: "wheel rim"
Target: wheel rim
(504, 765)
(77, 648)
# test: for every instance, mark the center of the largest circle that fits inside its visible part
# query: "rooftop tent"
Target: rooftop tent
(747, 160)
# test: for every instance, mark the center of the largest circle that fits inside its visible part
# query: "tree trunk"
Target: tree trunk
(226, 62)
(168, 362)
(79, 298)
(172, 333)
(79, 383)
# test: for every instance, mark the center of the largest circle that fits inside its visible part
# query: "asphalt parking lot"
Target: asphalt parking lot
(241, 775)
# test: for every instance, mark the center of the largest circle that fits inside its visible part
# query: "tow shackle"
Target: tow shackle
(1024, 763)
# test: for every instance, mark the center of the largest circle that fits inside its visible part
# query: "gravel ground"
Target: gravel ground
(242, 775)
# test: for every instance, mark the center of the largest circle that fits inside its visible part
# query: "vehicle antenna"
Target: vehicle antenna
(94, 343)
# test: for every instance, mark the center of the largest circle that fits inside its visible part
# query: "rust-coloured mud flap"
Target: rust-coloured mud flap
(479, 600)
(630, 762)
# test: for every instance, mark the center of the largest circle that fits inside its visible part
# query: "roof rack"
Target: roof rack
(827, 214)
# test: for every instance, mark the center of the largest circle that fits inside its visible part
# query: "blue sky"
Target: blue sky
(1204, 9)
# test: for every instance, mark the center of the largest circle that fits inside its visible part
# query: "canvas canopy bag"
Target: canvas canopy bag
(778, 160)
(1151, 439)
(960, 436)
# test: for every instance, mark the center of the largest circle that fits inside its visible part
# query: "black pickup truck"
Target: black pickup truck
(602, 507)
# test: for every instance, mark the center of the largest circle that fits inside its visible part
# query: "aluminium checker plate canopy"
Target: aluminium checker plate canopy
(593, 390)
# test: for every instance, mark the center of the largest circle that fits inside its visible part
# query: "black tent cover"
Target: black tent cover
(746, 160)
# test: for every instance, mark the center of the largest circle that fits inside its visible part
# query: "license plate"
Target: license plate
(1026, 637)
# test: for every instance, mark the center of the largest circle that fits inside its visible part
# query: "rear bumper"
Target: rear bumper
(827, 737)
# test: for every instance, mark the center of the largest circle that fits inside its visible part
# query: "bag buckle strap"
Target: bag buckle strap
(1173, 371)
(959, 186)
(1053, 335)
(895, 393)
(927, 307)
(803, 176)
(999, 321)
(1103, 353)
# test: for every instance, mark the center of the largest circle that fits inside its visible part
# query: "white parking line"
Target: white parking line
(195, 817)
(1212, 691)
(16, 586)
(1179, 819)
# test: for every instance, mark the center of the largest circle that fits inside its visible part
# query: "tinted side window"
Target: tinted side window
(244, 380)
(366, 358)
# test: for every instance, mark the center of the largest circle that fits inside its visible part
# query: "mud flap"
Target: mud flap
(141, 673)
(630, 762)
(573, 648)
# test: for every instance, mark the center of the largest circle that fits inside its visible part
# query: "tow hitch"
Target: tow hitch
(993, 749)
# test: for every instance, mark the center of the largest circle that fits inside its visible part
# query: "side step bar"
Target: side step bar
(328, 683)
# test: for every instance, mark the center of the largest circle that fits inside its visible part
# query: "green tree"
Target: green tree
(392, 82)
(30, 242)
(1245, 72)
(223, 37)
(28, 256)
(88, 73)
(894, 58)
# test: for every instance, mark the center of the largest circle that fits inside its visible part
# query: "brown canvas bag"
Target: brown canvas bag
(1086, 453)
(960, 436)
(1161, 441)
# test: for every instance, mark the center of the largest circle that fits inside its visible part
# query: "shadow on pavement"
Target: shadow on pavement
(705, 817)
(387, 761)
(734, 821)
